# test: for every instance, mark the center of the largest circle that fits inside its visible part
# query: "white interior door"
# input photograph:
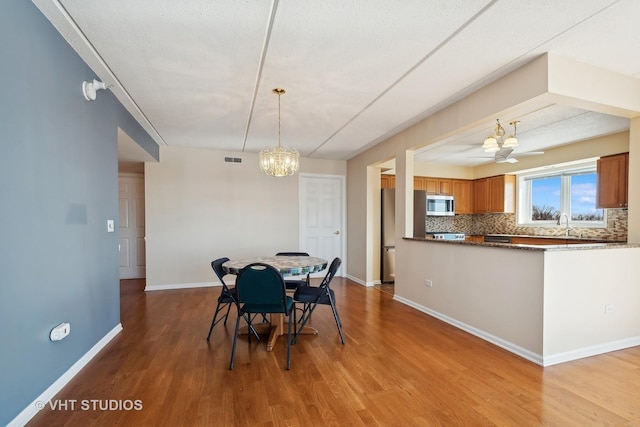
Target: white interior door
(131, 230)
(322, 217)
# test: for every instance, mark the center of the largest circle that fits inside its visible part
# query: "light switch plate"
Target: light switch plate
(110, 226)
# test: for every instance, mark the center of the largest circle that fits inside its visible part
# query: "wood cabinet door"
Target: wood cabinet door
(502, 194)
(496, 194)
(612, 181)
(431, 185)
(387, 181)
(418, 183)
(481, 193)
(445, 187)
(463, 196)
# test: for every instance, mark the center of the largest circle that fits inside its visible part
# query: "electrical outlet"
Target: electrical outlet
(60, 331)
(428, 283)
(608, 309)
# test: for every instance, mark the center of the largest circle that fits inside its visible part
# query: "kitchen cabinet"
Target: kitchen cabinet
(496, 194)
(387, 181)
(613, 178)
(460, 189)
(433, 185)
(462, 192)
(441, 186)
(481, 195)
(474, 238)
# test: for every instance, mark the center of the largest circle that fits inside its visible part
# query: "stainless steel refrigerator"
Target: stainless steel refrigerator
(387, 234)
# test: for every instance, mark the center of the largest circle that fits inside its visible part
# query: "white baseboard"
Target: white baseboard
(151, 288)
(594, 350)
(359, 282)
(30, 411)
(544, 361)
(509, 346)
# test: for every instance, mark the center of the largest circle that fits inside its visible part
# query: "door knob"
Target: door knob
(336, 232)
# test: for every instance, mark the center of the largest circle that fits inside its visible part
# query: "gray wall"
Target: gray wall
(58, 187)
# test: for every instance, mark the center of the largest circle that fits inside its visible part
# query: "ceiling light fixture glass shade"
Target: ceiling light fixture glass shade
(490, 145)
(510, 142)
(279, 161)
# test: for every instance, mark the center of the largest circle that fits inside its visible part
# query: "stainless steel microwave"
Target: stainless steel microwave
(440, 205)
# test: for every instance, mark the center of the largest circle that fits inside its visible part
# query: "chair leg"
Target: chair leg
(226, 316)
(213, 322)
(235, 340)
(289, 338)
(337, 318)
(304, 321)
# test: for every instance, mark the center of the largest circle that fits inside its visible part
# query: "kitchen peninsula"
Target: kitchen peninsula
(547, 303)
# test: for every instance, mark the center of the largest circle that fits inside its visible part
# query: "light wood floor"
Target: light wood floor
(399, 367)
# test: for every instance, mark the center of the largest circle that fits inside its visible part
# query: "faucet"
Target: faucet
(568, 229)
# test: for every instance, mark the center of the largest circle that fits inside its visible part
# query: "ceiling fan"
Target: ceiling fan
(504, 155)
(503, 148)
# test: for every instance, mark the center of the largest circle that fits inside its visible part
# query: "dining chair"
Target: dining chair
(226, 299)
(311, 296)
(293, 284)
(261, 289)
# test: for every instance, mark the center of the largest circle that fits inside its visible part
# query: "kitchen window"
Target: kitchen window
(544, 195)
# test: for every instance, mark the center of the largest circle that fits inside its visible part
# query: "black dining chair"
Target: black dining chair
(293, 284)
(311, 296)
(226, 299)
(261, 289)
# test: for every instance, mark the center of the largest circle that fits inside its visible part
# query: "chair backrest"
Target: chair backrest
(261, 289)
(292, 254)
(333, 268)
(217, 268)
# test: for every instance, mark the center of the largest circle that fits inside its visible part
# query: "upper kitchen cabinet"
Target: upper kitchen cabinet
(462, 191)
(613, 178)
(431, 185)
(387, 181)
(496, 194)
(481, 195)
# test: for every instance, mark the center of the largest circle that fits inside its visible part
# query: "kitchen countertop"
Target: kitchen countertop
(573, 238)
(568, 247)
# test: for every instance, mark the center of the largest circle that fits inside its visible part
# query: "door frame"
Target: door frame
(343, 214)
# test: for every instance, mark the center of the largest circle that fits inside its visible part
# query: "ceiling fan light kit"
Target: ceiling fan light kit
(496, 142)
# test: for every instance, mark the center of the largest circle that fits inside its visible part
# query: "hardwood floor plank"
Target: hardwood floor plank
(398, 367)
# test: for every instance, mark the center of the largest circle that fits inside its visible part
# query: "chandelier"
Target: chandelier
(496, 142)
(279, 161)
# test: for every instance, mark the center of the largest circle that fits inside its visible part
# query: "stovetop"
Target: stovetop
(445, 235)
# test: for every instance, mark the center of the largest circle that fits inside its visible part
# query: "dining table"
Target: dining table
(287, 266)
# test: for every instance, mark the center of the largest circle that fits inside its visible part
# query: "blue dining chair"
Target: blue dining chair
(226, 298)
(261, 289)
(311, 296)
(293, 284)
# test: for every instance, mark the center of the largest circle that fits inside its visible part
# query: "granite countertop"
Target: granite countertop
(568, 247)
(574, 238)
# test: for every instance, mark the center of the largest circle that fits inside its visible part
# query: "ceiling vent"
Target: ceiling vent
(232, 160)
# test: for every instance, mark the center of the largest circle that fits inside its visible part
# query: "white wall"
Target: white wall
(199, 208)
(578, 286)
(493, 291)
(547, 306)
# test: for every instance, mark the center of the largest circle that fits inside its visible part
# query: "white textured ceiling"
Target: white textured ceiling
(200, 73)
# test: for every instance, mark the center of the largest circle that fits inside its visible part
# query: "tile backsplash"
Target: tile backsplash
(506, 224)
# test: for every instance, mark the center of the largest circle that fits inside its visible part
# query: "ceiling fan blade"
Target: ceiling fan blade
(531, 153)
(506, 160)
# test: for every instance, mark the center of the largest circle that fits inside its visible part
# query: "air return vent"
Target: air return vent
(232, 160)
